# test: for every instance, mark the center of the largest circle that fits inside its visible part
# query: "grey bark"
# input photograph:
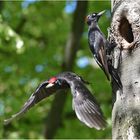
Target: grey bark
(54, 118)
(125, 32)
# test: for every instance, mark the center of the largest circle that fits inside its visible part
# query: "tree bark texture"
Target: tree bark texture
(72, 45)
(125, 33)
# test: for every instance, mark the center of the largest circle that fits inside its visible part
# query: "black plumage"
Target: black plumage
(100, 47)
(85, 105)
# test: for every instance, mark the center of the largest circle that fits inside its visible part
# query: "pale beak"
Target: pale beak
(49, 85)
(101, 13)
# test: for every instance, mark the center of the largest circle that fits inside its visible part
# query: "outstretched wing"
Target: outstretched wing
(41, 92)
(86, 108)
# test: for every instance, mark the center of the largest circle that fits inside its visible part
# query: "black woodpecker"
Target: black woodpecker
(84, 103)
(100, 47)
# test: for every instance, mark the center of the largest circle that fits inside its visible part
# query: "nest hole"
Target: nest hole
(126, 30)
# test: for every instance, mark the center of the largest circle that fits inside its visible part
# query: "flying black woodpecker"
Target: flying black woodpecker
(85, 105)
(100, 47)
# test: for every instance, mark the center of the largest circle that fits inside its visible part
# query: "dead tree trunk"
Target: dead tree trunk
(72, 45)
(125, 32)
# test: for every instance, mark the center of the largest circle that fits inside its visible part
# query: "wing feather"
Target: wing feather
(40, 93)
(98, 48)
(82, 116)
(86, 107)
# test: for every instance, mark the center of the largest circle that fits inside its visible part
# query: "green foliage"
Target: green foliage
(32, 43)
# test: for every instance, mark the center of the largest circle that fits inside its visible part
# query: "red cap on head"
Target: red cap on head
(52, 80)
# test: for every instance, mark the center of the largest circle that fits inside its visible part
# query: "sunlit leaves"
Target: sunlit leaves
(9, 39)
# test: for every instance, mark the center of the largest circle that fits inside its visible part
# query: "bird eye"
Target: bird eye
(59, 82)
(93, 15)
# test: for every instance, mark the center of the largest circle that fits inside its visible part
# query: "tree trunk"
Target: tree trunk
(72, 45)
(1, 5)
(125, 32)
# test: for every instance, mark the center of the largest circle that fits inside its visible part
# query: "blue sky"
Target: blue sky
(69, 8)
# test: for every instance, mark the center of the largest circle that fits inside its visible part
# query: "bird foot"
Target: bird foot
(129, 46)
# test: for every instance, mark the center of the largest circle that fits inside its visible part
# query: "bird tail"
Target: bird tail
(106, 73)
(114, 74)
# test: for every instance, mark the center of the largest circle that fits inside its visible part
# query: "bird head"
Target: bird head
(52, 81)
(94, 17)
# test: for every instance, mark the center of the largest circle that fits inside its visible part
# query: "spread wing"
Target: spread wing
(41, 92)
(87, 109)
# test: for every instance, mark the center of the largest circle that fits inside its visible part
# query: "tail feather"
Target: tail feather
(114, 74)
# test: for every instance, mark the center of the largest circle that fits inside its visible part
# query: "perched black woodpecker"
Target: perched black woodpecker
(85, 105)
(100, 47)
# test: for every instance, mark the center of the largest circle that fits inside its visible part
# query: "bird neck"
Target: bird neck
(93, 25)
(95, 28)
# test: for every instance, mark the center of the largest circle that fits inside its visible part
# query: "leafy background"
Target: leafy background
(33, 36)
